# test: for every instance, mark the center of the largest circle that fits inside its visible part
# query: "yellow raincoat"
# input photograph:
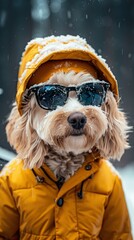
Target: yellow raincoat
(89, 206)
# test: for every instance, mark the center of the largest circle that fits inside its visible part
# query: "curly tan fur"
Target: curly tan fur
(39, 135)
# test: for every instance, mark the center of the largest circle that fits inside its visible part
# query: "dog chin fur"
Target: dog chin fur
(40, 135)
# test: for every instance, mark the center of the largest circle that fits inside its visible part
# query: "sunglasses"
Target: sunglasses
(49, 97)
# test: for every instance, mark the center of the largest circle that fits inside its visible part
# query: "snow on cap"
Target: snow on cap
(41, 50)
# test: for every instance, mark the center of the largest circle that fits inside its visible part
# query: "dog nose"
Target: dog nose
(77, 120)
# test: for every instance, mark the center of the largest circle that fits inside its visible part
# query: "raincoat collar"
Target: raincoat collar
(89, 167)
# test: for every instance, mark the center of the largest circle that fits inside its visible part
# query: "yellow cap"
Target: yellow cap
(46, 70)
(44, 56)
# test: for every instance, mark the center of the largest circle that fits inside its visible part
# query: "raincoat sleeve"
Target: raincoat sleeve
(9, 218)
(116, 224)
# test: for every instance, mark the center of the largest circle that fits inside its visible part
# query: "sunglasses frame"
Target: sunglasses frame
(35, 90)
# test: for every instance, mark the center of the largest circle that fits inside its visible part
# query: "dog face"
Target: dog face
(70, 128)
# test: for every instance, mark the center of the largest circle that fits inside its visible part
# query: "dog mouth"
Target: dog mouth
(77, 133)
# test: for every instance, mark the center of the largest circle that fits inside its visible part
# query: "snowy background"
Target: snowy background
(107, 25)
(127, 174)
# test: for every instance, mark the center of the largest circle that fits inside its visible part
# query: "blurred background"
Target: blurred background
(107, 25)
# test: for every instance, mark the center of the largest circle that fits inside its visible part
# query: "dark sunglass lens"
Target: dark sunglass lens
(51, 96)
(91, 94)
(85, 97)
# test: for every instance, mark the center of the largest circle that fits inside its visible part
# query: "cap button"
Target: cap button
(88, 167)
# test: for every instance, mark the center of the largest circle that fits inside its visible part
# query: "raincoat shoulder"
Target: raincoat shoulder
(12, 179)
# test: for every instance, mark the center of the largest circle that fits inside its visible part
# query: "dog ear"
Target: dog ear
(115, 140)
(24, 139)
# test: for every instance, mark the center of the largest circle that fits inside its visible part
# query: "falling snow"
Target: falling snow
(1, 91)
(129, 55)
(69, 15)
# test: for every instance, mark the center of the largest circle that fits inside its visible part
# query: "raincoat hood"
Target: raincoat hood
(44, 50)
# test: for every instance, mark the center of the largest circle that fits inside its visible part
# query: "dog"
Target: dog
(64, 125)
(56, 140)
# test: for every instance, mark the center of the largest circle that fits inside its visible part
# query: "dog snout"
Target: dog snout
(77, 120)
